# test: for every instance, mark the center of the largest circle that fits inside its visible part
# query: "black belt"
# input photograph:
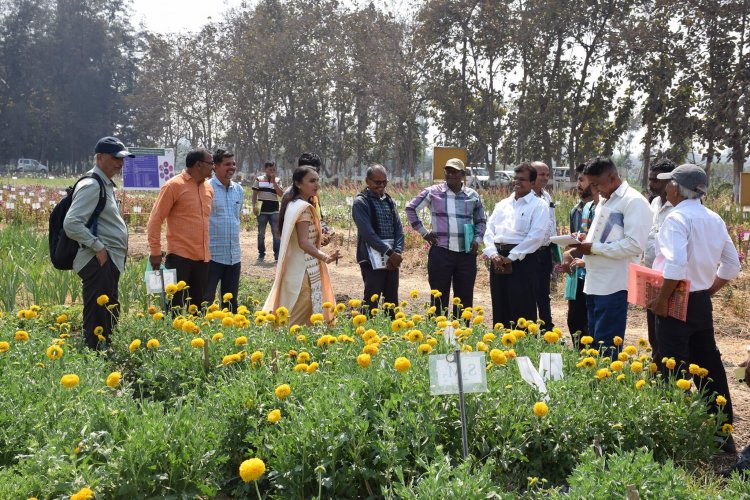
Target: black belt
(502, 247)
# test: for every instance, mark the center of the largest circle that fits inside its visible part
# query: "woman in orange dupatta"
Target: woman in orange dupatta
(302, 283)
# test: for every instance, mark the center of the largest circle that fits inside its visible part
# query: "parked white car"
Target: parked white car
(29, 165)
(561, 180)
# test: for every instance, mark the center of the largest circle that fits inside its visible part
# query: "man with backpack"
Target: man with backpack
(380, 238)
(102, 239)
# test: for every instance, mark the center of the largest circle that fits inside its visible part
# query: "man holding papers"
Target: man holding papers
(693, 244)
(380, 238)
(616, 238)
(516, 229)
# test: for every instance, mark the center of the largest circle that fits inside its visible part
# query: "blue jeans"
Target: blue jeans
(263, 220)
(608, 316)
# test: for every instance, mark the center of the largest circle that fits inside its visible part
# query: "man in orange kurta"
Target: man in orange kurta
(185, 203)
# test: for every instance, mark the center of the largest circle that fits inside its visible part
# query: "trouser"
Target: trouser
(302, 309)
(693, 341)
(263, 220)
(445, 267)
(651, 326)
(543, 277)
(192, 272)
(380, 281)
(578, 320)
(514, 294)
(608, 315)
(99, 280)
(229, 276)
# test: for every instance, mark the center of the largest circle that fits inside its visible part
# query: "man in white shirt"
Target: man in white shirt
(660, 207)
(515, 230)
(607, 257)
(694, 245)
(544, 254)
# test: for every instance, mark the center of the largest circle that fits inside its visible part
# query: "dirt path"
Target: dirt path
(732, 332)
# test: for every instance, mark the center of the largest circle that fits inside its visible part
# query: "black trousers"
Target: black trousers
(578, 316)
(229, 276)
(99, 280)
(651, 325)
(543, 276)
(514, 295)
(192, 272)
(380, 281)
(445, 267)
(693, 341)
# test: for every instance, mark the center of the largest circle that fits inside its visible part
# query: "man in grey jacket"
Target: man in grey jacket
(101, 257)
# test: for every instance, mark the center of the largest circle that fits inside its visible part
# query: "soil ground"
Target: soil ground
(730, 309)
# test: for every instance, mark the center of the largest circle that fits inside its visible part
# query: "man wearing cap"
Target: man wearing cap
(693, 244)
(458, 224)
(101, 258)
(185, 203)
(515, 231)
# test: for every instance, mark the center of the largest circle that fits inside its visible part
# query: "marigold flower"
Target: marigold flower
(670, 363)
(217, 337)
(616, 366)
(424, 349)
(683, 384)
(551, 337)
(327, 305)
(639, 385)
(541, 409)
(157, 316)
(694, 369)
(727, 428)
(134, 345)
(623, 356)
(283, 391)
(113, 379)
(251, 470)
(643, 343)
(230, 358)
(721, 400)
(83, 494)
(181, 285)
(636, 367)
(301, 338)
(198, 343)
(229, 321)
(60, 319)
(316, 318)
(621, 377)
(192, 308)
(587, 340)
(21, 336)
(602, 373)
(617, 340)
(498, 357)
(274, 416)
(171, 289)
(152, 344)
(508, 339)
(631, 350)
(102, 300)
(69, 380)
(588, 362)
(241, 340)
(364, 360)
(510, 354)
(402, 364)
(300, 367)
(374, 312)
(54, 352)
(466, 314)
(703, 372)
(481, 346)
(359, 320)
(371, 349)
(227, 297)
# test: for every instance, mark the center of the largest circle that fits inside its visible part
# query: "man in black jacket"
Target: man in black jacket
(380, 238)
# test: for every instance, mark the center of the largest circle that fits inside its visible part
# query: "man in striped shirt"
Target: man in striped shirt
(267, 189)
(458, 223)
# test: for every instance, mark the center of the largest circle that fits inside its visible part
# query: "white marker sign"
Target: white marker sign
(444, 374)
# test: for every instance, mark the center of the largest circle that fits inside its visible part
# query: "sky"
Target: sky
(172, 16)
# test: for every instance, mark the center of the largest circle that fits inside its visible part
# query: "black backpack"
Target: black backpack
(63, 250)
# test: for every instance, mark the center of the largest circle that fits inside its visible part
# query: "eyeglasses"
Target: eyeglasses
(379, 183)
(211, 163)
(452, 171)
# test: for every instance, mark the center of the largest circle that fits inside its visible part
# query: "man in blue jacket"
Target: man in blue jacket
(380, 238)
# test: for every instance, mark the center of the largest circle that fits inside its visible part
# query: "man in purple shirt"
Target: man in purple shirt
(458, 224)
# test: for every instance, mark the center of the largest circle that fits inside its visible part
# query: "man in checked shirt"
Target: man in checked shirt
(455, 209)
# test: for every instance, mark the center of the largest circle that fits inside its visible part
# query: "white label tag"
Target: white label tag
(444, 373)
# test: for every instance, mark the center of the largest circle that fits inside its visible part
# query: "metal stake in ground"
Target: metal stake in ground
(461, 403)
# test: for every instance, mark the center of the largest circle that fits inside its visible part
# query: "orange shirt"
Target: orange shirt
(186, 205)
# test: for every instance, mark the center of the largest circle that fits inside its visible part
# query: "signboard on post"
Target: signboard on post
(150, 168)
(444, 373)
(440, 155)
(745, 189)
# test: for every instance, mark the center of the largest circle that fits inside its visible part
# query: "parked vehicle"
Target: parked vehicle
(477, 177)
(561, 179)
(29, 165)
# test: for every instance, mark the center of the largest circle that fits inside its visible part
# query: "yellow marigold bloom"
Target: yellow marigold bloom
(602, 373)
(241, 340)
(397, 325)
(400, 315)
(300, 367)
(312, 367)
(587, 340)
(303, 357)
(415, 336)
(229, 321)
(251, 470)
(643, 343)
(364, 360)
(21, 336)
(354, 303)
(533, 328)
(519, 334)
(301, 338)
(670, 363)
(588, 362)
(498, 357)
(424, 349)
(414, 293)
(244, 310)
(217, 337)
(181, 285)
(639, 385)
(442, 324)
(229, 358)
(653, 368)
(345, 338)
(371, 349)
(178, 322)
(636, 367)
(60, 319)
(198, 343)
(721, 400)
(374, 312)
(327, 305)
(294, 329)
(703, 372)
(227, 297)
(316, 318)
(551, 337)
(623, 356)
(481, 346)
(631, 350)
(617, 340)
(522, 323)
(467, 348)
(510, 354)
(616, 366)
(192, 308)
(171, 289)
(54, 352)
(283, 391)
(102, 300)
(466, 314)
(134, 345)
(374, 297)
(488, 337)
(113, 379)
(152, 343)
(694, 369)
(431, 341)
(727, 428)
(402, 364)
(339, 308)
(359, 320)
(508, 339)
(541, 409)
(478, 320)
(274, 416)
(593, 353)
(683, 384)
(83, 494)
(69, 380)
(621, 377)
(157, 316)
